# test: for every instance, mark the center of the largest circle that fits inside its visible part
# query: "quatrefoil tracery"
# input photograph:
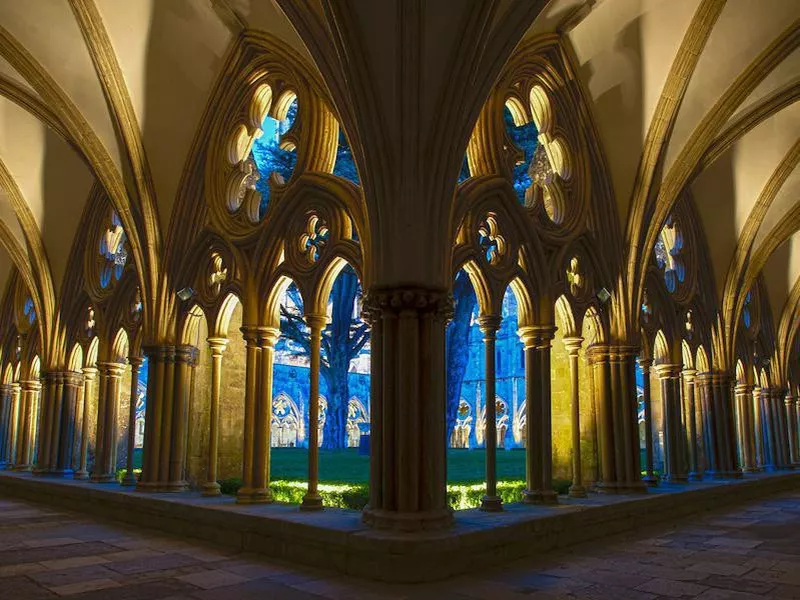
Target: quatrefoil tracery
(314, 239)
(490, 240)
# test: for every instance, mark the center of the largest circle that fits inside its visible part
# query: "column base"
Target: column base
(103, 478)
(695, 476)
(24, 468)
(130, 479)
(311, 502)
(650, 480)
(254, 496)
(539, 497)
(146, 486)
(491, 504)
(80, 475)
(407, 521)
(176, 487)
(750, 470)
(675, 478)
(210, 488)
(577, 491)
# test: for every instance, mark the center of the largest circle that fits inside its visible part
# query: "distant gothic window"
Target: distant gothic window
(114, 249)
(668, 253)
(747, 315)
(29, 311)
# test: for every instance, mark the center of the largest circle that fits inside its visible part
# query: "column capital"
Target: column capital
(379, 302)
(573, 345)
(790, 400)
(689, 374)
(72, 378)
(269, 336)
(314, 321)
(31, 385)
(489, 324)
(111, 369)
(186, 354)
(743, 389)
(159, 353)
(135, 362)
(665, 371)
(89, 373)
(536, 336)
(217, 345)
(250, 335)
(645, 363)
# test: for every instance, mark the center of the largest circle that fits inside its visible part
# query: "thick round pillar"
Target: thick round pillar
(649, 478)
(250, 334)
(408, 487)
(690, 423)
(267, 338)
(669, 377)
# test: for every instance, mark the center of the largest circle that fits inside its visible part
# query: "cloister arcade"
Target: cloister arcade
(643, 359)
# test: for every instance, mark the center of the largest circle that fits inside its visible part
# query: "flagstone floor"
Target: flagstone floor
(751, 551)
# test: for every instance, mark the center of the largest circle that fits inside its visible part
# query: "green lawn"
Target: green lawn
(348, 466)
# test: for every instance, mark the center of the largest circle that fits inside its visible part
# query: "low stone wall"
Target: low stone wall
(336, 539)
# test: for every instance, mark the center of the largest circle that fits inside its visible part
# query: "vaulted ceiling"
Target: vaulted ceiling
(63, 113)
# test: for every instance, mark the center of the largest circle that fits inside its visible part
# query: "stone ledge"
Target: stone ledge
(336, 539)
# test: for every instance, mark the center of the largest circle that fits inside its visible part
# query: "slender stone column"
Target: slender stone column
(250, 334)
(89, 375)
(744, 395)
(312, 500)
(489, 325)
(573, 346)
(783, 427)
(408, 486)
(47, 417)
(601, 367)
(167, 416)
(136, 364)
(791, 426)
(758, 429)
(217, 347)
(105, 468)
(625, 423)
(650, 477)
(533, 411)
(690, 407)
(268, 337)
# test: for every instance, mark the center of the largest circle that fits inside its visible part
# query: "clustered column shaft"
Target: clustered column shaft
(104, 470)
(408, 487)
(674, 436)
(89, 376)
(690, 422)
(573, 346)
(170, 371)
(649, 477)
(136, 363)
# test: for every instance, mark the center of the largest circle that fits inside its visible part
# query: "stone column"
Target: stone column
(408, 480)
(136, 364)
(167, 415)
(151, 446)
(690, 423)
(16, 412)
(791, 426)
(104, 467)
(5, 423)
(758, 429)
(573, 346)
(625, 424)
(601, 375)
(650, 477)
(725, 431)
(185, 360)
(783, 427)
(669, 376)
(57, 414)
(537, 379)
(89, 375)
(250, 334)
(27, 418)
(489, 325)
(71, 383)
(268, 337)
(217, 348)
(312, 500)
(744, 395)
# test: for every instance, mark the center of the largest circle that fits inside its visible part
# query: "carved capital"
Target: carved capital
(404, 301)
(537, 336)
(186, 354)
(217, 345)
(573, 345)
(668, 371)
(489, 325)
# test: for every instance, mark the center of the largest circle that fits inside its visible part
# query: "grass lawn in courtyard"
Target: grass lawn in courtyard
(348, 466)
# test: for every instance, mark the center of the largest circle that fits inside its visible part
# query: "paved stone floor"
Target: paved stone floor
(751, 551)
